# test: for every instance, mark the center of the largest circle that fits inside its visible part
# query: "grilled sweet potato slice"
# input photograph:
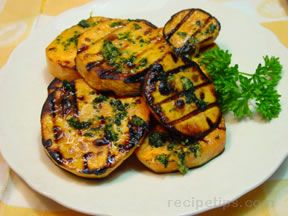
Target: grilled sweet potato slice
(189, 30)
(61, 52)
(182, 98)
(117, 59)
(164, 153)
(90, 134)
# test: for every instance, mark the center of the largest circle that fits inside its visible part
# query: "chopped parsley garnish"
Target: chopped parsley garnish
(124, 36)
(75, 123)
(115, 24)
(109, 133)
(137, 121)
(190, 94)
(117, 105)
(71, 41)
(119, 117)
(143, 62)
(187, 84)
(110, 52)
(198, 22)
(163, 159)
(156, 139)
(211, 29)
(136, 26)
(84, 24)
(181, 164)
(88, 134)
(238, 91)
(182, 34)
(67, 85)
(100, 99)
(195, 149)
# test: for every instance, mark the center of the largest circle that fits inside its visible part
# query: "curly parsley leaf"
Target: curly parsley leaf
(237, 90)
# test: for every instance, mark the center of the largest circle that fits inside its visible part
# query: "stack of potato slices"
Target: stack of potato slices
(111, 74)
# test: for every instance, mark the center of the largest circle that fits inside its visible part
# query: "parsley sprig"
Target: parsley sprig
(242, 93)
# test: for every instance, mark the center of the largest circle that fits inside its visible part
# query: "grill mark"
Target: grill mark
(110, 159)
(193, 113)
(207, 39)
(52, 107)
(85, 158)
(47, 143)
(110, 74)
(161, 58)
(135, 135)
(187, 47)
(150, 45)
(178, 94)
(98, 171)
(74, 97)
(93, 64)
(111, 38)
(205, 24)
(86, 169)
(58, 133)
(209, 121)
(169, 35)
(101, 142)
(56, 156)
(139, 77)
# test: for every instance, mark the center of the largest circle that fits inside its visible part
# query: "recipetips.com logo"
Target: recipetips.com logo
(216, 201)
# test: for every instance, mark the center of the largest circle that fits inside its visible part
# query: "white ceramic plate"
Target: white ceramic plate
(254, 149)
(4, 175)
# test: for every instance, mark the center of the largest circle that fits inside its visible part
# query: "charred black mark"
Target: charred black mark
(138, 78)
(66, 106)
(99, 171)
(69, 98)
(191, 45)
(55, 84)
(135, 135)
(81, 98)
(86, 169)
(91, 65)
(209, 122)
(164, 87)
(58, 133)
(47, 143)
(110, 160)
(202, 95)
(74, 97)
(179, 103)
(148, 31)
(109, 74)
(86, 157)
(169, 35)
(193, 113)
(179, 94)
(174, 57)
(52, 48)
(82, 48)
(56, 156)
(101, 142)
(51, 100)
